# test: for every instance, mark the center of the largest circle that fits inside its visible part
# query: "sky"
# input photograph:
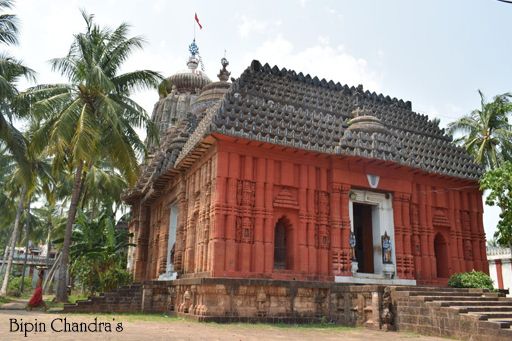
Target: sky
(435, 53)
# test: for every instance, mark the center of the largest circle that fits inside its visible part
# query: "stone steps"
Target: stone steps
(435, 289)
(473, 303)
(456, 298)
(468, 314)
(483, 309)
(502, 323)
(448, 293)
(491, 315)
(124, 299)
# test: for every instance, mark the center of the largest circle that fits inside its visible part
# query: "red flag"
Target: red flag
(197, 20)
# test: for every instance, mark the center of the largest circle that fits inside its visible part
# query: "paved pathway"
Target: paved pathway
(138, 328)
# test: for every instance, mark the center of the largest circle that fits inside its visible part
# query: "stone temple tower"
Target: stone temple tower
(185, 99)
(177, 93)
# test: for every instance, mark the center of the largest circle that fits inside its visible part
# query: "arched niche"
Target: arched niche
(283, 248)
(441, 253)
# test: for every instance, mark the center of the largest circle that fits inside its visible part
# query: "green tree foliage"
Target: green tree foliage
(98, 253)
(7, 202)
(15, 285)
(486, 132)
(11, 71)
(499, 184)
(26, 182)
(92, 118)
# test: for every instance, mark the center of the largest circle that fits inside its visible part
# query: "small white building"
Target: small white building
(500, 267)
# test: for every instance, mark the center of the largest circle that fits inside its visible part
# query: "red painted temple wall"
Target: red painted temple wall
(231, 200)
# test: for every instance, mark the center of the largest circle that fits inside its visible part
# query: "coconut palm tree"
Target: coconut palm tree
(487, 134)
(92, 117)
(7, 202)
(38, 181)
(11, 71)
(102, 189)
(8, 24)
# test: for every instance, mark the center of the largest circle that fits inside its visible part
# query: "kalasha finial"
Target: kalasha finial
(193, 48)
(193, 60)
(224, 73)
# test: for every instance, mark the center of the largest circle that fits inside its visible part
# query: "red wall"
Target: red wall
(233, 198)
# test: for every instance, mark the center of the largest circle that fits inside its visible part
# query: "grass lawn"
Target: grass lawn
(58, 305)
(308, 326)
(4, 299)
(166, 318)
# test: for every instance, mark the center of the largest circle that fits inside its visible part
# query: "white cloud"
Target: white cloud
(159, 6)
(446, 113)
(334, 12)
(324, 40)
(249, 26)
(322, 60)
(303, 3)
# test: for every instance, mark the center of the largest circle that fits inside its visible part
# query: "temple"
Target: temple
(281, 176)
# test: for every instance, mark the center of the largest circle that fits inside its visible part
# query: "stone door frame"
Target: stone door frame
(169, 273)
(382, 222)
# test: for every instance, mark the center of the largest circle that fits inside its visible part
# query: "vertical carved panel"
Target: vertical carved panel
(246, 199)
(323, 237)
(322, 203)
(466, 222)
(468, 250)
(245, 229)
(246, 193)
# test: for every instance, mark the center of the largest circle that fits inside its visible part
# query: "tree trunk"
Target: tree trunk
(48, 246)
(27, 229)
(14, 239)
(62, 283)
(47, 283)
(6, 254)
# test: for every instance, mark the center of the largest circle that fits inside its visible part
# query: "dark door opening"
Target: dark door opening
(441, 252)
(364, 237)
(280, 245)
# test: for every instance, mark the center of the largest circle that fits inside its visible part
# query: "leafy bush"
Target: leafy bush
(473, 279)
(114, 278)
(13, 289)
(98, 254)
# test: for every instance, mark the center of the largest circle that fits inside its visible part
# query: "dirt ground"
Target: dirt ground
(155, 328)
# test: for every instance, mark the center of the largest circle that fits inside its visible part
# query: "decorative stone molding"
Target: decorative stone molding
(286, 198)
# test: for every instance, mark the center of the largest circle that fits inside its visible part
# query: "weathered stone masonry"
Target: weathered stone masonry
(285, 177)
(230, 233)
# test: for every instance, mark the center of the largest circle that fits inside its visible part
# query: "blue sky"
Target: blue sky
(434, 53)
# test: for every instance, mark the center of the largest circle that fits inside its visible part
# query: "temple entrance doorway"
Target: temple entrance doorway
(363, 231)
(372, 239)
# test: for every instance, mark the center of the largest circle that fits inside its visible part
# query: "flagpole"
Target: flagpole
(194, 28)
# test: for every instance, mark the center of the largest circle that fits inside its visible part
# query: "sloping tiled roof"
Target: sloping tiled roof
(283, 107)
(286, 108)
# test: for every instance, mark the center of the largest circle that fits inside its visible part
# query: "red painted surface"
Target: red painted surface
(499, 273)
(231, 199)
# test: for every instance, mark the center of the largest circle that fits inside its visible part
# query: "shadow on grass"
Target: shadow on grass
(148, 317)
(303, 326)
